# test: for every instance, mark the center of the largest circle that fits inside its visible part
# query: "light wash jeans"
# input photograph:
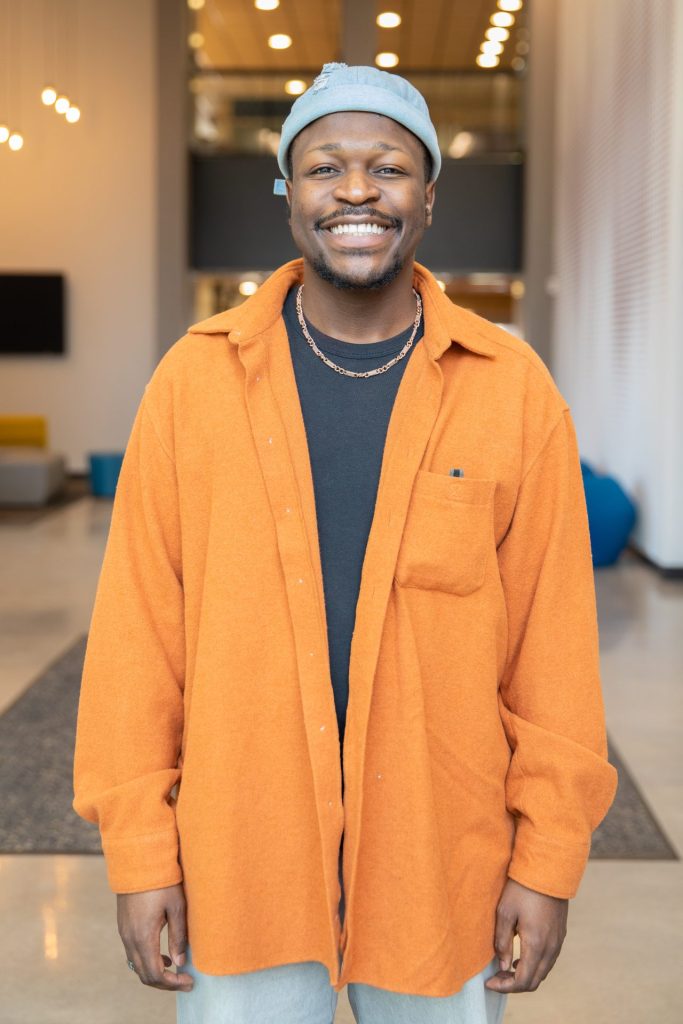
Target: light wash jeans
(301, 994)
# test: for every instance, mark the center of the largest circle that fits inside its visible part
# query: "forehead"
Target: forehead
(355, 130)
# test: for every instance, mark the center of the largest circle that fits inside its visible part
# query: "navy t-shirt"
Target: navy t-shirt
(346, 420)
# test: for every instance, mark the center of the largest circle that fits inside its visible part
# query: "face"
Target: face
(357, 168)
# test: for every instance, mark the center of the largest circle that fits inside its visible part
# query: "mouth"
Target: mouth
(365, 235)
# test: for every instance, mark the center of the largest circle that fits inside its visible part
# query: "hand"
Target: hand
(541, 922)
(141, 918)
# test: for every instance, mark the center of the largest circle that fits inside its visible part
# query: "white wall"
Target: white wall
(81, 200)
(617, 343)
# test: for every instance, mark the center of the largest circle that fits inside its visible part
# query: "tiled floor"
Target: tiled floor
(62, 959)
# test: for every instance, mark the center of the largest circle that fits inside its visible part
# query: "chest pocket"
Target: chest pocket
(448, 534)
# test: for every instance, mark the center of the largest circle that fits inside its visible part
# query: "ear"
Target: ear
(430, 196)
(288, 194)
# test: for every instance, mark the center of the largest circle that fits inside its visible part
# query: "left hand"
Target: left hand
(541, 923)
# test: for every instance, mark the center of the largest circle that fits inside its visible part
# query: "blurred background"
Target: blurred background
(137, 158)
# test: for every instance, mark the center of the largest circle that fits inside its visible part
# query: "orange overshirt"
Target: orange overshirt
(475, 745)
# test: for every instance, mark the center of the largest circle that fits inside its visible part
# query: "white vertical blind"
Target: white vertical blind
(618, 337)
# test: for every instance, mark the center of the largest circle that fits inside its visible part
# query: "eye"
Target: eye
(327, 167)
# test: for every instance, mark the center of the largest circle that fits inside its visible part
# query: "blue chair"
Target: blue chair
(611, 515)
(104, 473)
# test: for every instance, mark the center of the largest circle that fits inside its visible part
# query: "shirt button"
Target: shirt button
(322, 728)
(310, 654)
(329, 803)
(379, 775)
(301, 579)
(288, 509)
(270, 440)
(258, 376)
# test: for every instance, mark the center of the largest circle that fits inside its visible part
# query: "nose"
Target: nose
(356, 186)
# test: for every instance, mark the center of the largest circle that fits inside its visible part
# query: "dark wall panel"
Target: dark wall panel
(238, 224)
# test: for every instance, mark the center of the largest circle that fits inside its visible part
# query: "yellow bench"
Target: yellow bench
(23, 430)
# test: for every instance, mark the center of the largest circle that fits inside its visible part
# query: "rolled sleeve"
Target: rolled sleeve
(559, 784)
(130, 713)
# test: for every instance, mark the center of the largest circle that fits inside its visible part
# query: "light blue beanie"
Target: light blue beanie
(340, 87)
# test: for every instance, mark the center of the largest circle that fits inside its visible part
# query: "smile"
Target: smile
(357, 229)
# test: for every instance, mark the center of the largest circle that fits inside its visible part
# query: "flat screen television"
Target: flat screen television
(32, 314)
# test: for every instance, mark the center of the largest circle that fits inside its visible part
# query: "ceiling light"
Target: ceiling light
(62, 104)
(72, 115)
(16, 141)
(386, 60)
(279, 41)
(266, 5)
(491, 47)
(502, 19)
(4, 133)
(195, 5)
(461, 145)
(498, 35)
(518, 63)
(388, 19)
(48, 95)
(248, 287)
(510, 5)
(195, 40)
(295, 86)
(487, 60)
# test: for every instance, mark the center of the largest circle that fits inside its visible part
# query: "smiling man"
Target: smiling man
(347, 613)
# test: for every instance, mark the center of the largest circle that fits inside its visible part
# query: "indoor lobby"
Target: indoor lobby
(139, 196)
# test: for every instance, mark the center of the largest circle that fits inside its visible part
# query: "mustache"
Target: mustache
(356, 211)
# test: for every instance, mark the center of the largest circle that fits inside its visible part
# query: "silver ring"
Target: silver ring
(131, 964)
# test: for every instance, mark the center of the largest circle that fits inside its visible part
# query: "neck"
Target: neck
(359, 314)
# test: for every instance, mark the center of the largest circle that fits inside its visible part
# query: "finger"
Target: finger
(531, 954)
(177, 932)
(504, 936)
(153, 971)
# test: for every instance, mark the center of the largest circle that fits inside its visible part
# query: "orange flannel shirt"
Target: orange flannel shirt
(207, 746)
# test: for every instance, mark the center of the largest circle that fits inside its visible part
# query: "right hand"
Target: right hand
(141, 918)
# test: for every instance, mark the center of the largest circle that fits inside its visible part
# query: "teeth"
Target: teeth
(357, 229)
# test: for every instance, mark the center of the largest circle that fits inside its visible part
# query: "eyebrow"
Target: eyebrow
(330, 147)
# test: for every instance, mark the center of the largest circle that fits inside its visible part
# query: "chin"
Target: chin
(368, 280)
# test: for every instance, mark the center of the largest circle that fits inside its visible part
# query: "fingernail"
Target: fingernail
(179, 960)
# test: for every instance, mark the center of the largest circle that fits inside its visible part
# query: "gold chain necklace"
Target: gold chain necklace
(352, 373)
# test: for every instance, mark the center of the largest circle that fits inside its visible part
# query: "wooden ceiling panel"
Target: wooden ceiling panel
(434, 34)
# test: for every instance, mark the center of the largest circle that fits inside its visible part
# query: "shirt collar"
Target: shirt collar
(444, 321)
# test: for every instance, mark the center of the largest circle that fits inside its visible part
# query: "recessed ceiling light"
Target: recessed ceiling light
(195, 5)
(491, 47)
(386, 60)
(487, 60)
(295, 86)
(266, 5)
(499, 35)
(279, 41)
(388, 19)
(510, 5)
(195, 40)
(502, 19)
(248, 287)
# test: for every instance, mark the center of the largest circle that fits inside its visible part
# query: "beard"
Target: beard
(350, 282)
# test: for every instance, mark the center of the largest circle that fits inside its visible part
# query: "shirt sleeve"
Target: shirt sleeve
(559, 784)
(130, 713)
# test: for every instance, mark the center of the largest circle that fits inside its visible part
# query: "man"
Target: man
(350, 521)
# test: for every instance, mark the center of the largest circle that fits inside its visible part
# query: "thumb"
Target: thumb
(177, 932)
